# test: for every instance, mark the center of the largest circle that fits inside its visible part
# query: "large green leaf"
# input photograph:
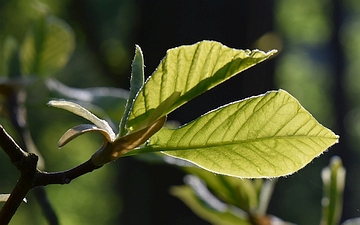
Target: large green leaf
(47, 47)
(269, 135)
(190, 71)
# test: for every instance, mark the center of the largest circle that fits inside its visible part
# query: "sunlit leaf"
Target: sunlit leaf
(136, 82)
(79, 130)
(269, 135)
(80, 111)
(190, 71)
(47, 47)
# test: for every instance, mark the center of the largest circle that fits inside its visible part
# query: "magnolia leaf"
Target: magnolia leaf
(157, 113)
(80, 111)
(79, 130)
(122, 145)
(270, 135)
(47, 47)
(191, 70)
(136, 82)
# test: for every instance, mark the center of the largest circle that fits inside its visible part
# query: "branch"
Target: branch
(15, 153)
(30, 176)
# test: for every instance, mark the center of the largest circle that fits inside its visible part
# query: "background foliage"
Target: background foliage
(319, 43)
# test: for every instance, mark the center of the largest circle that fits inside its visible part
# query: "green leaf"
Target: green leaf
(190, 71)
(333, 178)
(223, 215)
(238, 192)
(266, 136)
(105, 102)
(47, 47)
(136, 82)
(80, 111)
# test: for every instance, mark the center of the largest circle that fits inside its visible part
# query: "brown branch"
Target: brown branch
(30, 176)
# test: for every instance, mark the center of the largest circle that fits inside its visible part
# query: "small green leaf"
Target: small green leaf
(266, 136)
(47, 47)
(79, 130)
(80, 111)
(191, 70)
(136, 82)
(333, 178)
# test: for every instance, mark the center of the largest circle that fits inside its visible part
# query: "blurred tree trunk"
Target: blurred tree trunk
(340, 103)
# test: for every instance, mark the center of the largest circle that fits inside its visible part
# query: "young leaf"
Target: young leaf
(80, 111)
(333, 178)
(136, 82)
(191, 70)
(47, 47)
(266, 136)
(79, 130)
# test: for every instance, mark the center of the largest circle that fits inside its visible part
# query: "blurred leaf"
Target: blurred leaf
(47, 47)
(190, 71)
(208, 208)
(266, 136)
(10, 63)
(80, 111)
(136, 82)
(238, 192)
(333, 178)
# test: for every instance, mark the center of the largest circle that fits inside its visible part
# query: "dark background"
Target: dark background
(318, 33)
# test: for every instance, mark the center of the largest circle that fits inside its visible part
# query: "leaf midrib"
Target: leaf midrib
(236, 142)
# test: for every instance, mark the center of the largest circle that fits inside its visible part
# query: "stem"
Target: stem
(64, 177)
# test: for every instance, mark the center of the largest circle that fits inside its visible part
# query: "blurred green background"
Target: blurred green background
(319, 49)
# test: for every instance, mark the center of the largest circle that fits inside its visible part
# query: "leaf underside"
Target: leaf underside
(190, 70)
(265, 136)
